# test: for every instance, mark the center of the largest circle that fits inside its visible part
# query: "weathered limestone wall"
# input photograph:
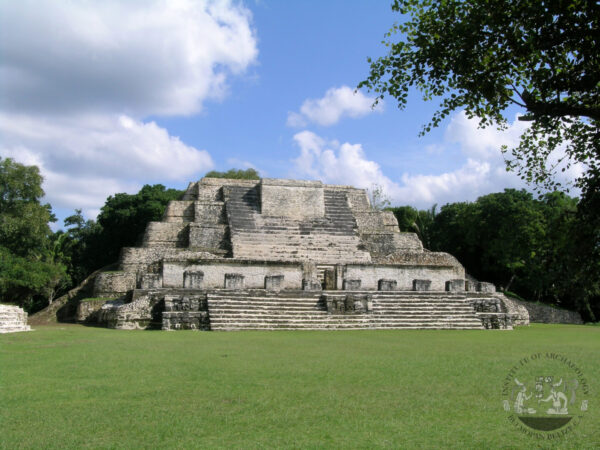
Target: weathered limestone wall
(166, 234)
(379, 230)
(114, 284)
(404, 275)
(371, 221)
(207, 236)
(358, 199)
(541, 313)
(86, 310)
(13, 319)
(179, 211)
(293, 199)
(214, 273)
(210, 212)
(142, 313)
(134, 259)
(519, 313)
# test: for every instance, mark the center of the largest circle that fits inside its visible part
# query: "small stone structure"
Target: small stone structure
(288, 254)
(13, 319)
(540, 313)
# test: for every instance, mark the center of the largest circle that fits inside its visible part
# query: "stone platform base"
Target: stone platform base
(13, 319)
(231, 309)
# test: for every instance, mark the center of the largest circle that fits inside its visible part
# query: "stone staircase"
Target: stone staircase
(250, 310)
(329, 239)
(13, 319)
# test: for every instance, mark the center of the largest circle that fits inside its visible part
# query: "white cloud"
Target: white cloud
(78, 78)
(482, 172)
(133, 57)
(337, 163)
(85, 159)
(482, 143)
(336, 104)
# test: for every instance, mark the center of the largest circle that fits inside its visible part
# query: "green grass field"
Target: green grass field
(73, 386)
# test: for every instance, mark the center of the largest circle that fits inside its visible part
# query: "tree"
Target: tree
(485, 56)
(80, 246)
(585, 254)
(237, 174)
(378, 198)
(24, 220)
(124, 217)
(415, 221)
(29, 272)
(406, 217)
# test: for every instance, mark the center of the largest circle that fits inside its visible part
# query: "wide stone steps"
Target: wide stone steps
(309, 235)
(308, 327)
(295, 241)
(347, 319)
(322, 255)
(249, 310)
(234, 303)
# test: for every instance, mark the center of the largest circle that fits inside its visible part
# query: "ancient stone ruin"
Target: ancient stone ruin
(13, 319)
(288, 254)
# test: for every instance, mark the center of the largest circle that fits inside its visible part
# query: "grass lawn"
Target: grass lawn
(73, 386)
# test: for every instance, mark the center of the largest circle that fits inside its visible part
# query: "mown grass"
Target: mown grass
(71, 386)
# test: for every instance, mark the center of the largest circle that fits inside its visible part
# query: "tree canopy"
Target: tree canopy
(537, 248)
(484, 56)
(29, 272)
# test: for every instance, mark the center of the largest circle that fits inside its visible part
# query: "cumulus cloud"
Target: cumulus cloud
(133, 57)
(330, 109)
(483, 170)
(337, 163)
(85, 159)
(78, 79)
(484, 144)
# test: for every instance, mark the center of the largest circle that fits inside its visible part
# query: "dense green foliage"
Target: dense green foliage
(413, 220)
(81, 387)
(533, 247)
(124, 217)
(237, 174)
(30, 271)
(484, 56)
(91, 245)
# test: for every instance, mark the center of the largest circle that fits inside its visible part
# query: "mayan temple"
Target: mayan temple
(289, 254)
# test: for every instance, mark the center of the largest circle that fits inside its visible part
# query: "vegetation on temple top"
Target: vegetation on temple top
(236, 174)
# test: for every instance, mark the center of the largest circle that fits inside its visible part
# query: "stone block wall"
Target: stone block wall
(210, 237)
(541, 313)
(292, 198)
(114, 284)
(134, 259)
(518, 312)
(179, 211)
(87, 310)
(403, 275)
(214, 273)
(209, 212)
(166, 234)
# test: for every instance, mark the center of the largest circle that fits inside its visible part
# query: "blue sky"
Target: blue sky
(107, 96)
